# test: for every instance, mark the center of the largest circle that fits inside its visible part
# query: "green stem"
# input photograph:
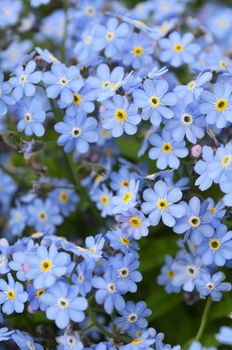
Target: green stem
(98, 325)
(204, 319)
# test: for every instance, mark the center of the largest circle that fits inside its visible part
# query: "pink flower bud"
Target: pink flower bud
(196, 151)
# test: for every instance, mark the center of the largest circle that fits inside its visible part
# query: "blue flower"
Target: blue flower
(193, 89)
(82, 102)
(46, 265)
(126, 197)
(110, 37)
(44, 215)
(120, 116)
(142, 342)
(108, 292)
(187, 122)
(77, 132)
(159, 203)
(64, 196)
(12, 296)
(84, 47)
(202, 168)
(125, 269)
(103, 199)
(25, 341)
(14, 54)
(218, 210)
(178, 49)
(212, 285)
(83, 278)
(225, 335)
(217, 248)
(106, 83)
(121, 241)
(5, 95)
(34, 298)
(69, 341)
(63, 304)
(63, 82)
(9, 12)
(32, 114)
(167, 150)
(138, 51)
(154, 99)
(25, 80)
(217, 105)
(133, 317)
(17, 220)
(119, 178)
(134, 223)
(197, 221)
(187, 270)
(220, 167)
(166, 276)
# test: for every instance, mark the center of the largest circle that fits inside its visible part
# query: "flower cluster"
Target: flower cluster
(121, 127)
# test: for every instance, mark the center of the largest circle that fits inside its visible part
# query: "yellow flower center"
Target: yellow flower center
(136, 341)
(46, 265)
(214, 244)
(22, 79)
(127, 197)
(162, 204)
(76, 99)
(120, 115)
(63, 197)
(93, 250)
(135, 221)
(10, 294)
(40, 292)
(125, 241)
(170, 274)
(178, 47)
(213, 210)
(154, 101)
(221, 105)
(104, 199)
(222, 64)
(194, 221)
(105, 84)
(166, 148)
(137, 51)
(124, 183)
(191, 85)
(109, 36)
(226, 160)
